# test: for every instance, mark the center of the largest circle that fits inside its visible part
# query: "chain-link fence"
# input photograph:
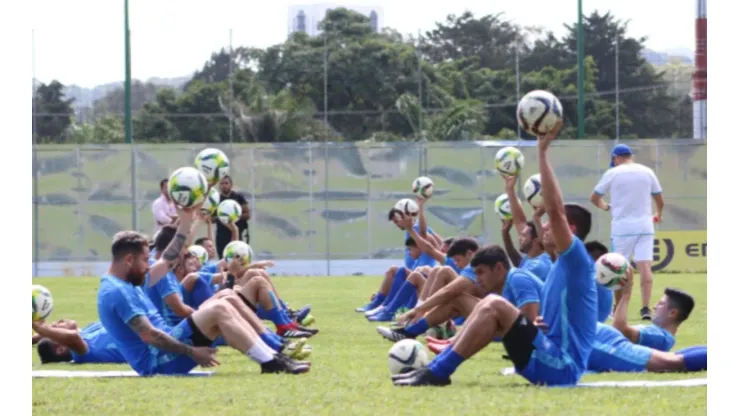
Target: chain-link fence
(329, 201)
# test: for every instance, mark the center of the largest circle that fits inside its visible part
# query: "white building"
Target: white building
(306, 18)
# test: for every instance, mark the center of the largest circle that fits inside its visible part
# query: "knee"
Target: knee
(221, 307)
(491, 304)
(392, 269)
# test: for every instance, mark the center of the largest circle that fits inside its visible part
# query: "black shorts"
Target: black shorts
(519, 341)
(198, 338)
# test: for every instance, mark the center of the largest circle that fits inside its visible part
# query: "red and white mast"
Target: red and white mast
(700, 72)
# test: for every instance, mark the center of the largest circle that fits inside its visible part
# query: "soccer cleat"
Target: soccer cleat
(312, 331)
(645, 313)
(283, 364)
(404, 374)
(300, 314)
(432, 340)
(372, 312)
(382, 316)
(295, 333)
(422, 377)
(307, 321)
(394, 335)
(293, 348)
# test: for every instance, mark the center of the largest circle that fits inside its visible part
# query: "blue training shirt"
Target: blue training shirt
(539, 266)
(210, 267)
(450, 262)
(424, 260)
(568, 307)
(655, 337)
(605, 302)
(468, 273)
(118, 303)
(522, 287)
(101, 347)
(408, 260)
(612, 351)
(166, 286)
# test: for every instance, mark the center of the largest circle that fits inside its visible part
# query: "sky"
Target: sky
(81, 41)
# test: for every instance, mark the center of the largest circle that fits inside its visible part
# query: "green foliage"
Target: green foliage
(456, 82)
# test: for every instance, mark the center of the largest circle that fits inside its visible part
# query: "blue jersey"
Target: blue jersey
(408, 260)
(210, 267)
(568, 307)
(612, 351)
(522, 288)
(450, 262)
(166, 286)
(424, 260)
(605, 302)
(101, 347)
(469, 273)
(118, 303)
(655, 337)
(539, 266)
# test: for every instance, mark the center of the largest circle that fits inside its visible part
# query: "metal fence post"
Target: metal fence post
(80, 205)
(326, 205)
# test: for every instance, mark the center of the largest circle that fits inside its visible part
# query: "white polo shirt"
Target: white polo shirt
(630, 187)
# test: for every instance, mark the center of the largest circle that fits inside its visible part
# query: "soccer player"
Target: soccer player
(148, 344)
(493, 273)
(673, 308)
(63, 342)
(568, 306)
(631, 186)
(605, 295)
(395, 276)
(536, 260)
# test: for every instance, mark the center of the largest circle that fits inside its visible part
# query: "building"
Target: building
(306, 18)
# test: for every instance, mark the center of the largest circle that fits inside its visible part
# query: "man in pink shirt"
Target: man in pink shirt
(163, 208)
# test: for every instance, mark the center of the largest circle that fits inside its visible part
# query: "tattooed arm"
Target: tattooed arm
(156, 338)
(171, 254)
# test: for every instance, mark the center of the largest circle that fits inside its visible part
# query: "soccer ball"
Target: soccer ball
(199, 252)
(213, 164)
(42, 303)
(509, 161)
(407, 355)
(423, 187)
(187, 187)
(610, 269)
(407, 207)
(228, 211)
(210, 205)
(503, 207)
(238, 251)
(538, 111)
(532, 189)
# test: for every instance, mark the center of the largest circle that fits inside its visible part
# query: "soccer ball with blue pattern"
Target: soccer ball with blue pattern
(538, 112)
(502, 206)
(42, 302)
(509, 161)
(611, 268)
(407, 355)
(213, 164)
(238, 251)
(532, 188)
(187, 187)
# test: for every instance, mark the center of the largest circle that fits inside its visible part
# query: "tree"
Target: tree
(52, 113)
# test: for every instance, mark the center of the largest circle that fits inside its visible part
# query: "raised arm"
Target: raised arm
(511, 251)
(620, 312)
(517, 212)
(69, 338)
(552, 197)
(422, 218)
(171, 254)
(421, 242)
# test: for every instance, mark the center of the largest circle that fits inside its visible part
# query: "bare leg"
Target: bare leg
(385, 286)
(646, 281)
(665, 362)
(492, 317)
(444, 276)
(424, 294)
(220, 318)
(418, 280)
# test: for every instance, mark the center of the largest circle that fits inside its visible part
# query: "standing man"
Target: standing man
(632, 188)
(163, 208)
(223, 234)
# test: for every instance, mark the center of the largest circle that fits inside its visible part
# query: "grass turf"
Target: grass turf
(349, 373)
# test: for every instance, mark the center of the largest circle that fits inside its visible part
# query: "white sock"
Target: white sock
(260, 352)
(419, 303)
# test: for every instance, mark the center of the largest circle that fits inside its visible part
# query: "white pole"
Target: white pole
(518, 91)
(616, 95)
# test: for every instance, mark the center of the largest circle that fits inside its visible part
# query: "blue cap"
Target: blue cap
(620, 150)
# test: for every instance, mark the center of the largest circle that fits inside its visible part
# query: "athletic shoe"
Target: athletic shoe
(283, 364)
(404, 374)
(294, 332)
(312, 331)
(294, 348)
(646, 315)
(422, 377)
(307, 321)
(382, 316)
(300, 314)
(394, 335)
(373, 311)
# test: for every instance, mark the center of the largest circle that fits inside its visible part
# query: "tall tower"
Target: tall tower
(700, 72)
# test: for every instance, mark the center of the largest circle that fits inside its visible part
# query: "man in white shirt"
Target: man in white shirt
(163, 208)
(632, 188)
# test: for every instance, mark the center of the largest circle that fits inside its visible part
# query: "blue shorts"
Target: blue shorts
(168, 363)
(550, 365)
(624, 357)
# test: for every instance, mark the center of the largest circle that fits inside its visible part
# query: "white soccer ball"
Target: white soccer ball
(610, 269)
(423, 187)
(502, 206)
(213, 164)
(407, 207)
(229, 211)
(187, 187)
(509, 161)
(407, 355)
(42, 302)
(238, 251)
(199, 252)
(532, 189)
(210, 205)
(538, 111)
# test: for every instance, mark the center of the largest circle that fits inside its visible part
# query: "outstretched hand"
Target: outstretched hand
(543, 142)
(510, 182)
(205, 356)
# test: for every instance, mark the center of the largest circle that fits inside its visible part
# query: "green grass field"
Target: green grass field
(349, 373)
